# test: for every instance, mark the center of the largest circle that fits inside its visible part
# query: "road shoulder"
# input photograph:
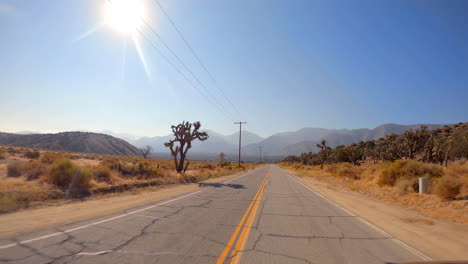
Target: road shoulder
(438, 239)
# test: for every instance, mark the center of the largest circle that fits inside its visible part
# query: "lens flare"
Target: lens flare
(124, 16)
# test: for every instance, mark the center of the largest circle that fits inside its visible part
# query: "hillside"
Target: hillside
(215, 144)
(305, 139)
(72, 141)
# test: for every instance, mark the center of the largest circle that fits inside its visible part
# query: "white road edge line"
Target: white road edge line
(95, 223)
(399, 242)
(109, 219)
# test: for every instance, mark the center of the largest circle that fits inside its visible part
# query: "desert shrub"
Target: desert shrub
(12, 150)
(127, 170)
(345, 170)
(448, 187)
(225, 163)
(2, 154)
(111, 163)
(71, 156)
(50, 157)
(32, 154)
(64, 172)
(407, 169)
(90, 157)
(403, 186)
(16, 193)
(34, 170)
(145, 170)
(10, 202)
(102, 173)
(457, 169)
(208, 166)
(298, 166)
(15, 169)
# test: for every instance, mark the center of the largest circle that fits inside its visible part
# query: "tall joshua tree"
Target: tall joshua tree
(415, 140)
(184, 134)
(324, 149)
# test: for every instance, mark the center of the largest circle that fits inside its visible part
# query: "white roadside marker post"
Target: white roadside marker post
(423, 185)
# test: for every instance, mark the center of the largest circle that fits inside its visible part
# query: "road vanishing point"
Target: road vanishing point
(263, 216)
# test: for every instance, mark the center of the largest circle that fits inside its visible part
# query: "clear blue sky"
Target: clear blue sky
(284, 65)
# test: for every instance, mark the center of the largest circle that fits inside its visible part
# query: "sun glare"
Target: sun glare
(124, 16)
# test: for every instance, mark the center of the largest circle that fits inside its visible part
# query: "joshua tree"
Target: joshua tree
(429, 148)
(179, 146)
(415, 140)
(222, 159)
(324, 149)
(393, 148)
(146, 151)
(443, 145)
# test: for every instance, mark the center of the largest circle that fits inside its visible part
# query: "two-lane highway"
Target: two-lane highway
(265, 216)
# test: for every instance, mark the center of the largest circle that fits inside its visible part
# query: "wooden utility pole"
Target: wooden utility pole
(260, 147)
(240, 138)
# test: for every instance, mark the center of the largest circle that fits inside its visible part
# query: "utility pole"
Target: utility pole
(240, 137)
(260, 147)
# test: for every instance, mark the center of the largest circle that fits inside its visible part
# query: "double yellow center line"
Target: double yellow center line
(238, 238)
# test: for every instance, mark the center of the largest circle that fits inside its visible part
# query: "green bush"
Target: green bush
(407, 169)
(448, 187)
(64, 172)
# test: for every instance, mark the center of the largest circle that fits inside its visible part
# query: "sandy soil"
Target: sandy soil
(87, 162)
(29, 220)
(437, 238)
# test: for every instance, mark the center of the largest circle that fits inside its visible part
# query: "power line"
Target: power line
(196, 56)
(182, 74)
(214, 102)
(183, 64)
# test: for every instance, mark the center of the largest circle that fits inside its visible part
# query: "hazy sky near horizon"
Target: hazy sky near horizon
(283, 64)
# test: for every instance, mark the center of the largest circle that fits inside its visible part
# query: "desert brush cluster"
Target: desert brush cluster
(28, 177)
(389, 168)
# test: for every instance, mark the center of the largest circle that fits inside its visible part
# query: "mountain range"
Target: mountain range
(72, 141)
(276, 146)
(216, 142)
(306, 139)
(281, 144)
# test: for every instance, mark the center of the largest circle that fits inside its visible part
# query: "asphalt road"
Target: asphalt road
(265, 216)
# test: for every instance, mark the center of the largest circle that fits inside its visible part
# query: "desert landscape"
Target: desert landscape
(32, 177)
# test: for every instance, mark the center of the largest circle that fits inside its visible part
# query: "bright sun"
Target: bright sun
(124, 16)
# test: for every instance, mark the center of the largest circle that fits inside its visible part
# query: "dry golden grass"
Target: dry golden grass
(47, 178)
(401, 193)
